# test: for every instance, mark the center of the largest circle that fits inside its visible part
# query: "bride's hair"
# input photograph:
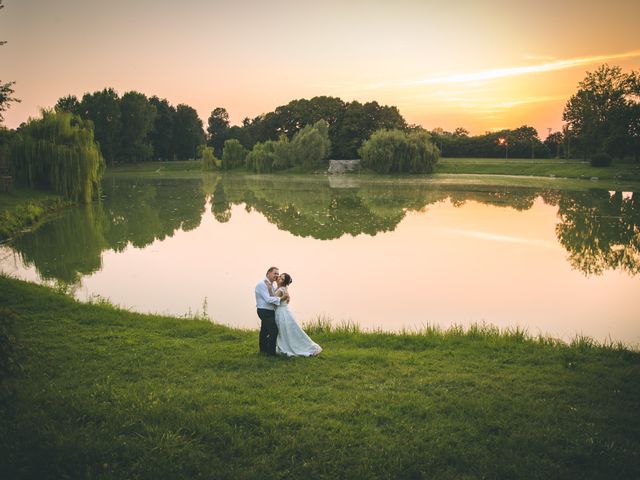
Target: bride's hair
(286, 279)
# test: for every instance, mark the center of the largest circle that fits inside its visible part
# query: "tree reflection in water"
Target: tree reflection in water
(599, 229)
(134, 212)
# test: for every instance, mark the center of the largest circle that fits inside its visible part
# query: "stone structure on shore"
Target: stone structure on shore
(343, 166)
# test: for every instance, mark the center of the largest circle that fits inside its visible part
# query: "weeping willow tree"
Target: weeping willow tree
(396, 151)
(58, 152)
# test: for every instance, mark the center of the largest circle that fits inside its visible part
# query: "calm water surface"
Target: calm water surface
(386, 254)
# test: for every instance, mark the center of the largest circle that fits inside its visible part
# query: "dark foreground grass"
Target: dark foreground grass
(106, 393)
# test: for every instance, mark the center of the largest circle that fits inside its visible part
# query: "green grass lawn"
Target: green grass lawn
(105, 393)
(538, 167)
(22, 207)
(623, 174)
(158, 167)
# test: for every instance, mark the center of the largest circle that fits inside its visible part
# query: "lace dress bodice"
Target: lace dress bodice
(283, 303)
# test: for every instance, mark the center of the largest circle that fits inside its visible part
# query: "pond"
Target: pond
(384, 253)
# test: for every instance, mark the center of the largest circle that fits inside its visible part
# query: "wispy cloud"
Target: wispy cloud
(515, 71)
(486, 104)
(506, 105)
(499, 238)
(540, 57)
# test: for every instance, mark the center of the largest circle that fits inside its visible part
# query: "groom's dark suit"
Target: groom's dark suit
(268, 331)
(265, 305)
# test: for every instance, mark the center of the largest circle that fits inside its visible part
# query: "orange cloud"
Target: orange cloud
(516, 71)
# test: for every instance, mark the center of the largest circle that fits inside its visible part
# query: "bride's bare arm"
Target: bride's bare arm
(284, 295)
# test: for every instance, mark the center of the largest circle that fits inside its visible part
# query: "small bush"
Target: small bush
(209, 160)
(310, 146)
(601, 160)
(283, 154)
(260, 159)
(233, 154)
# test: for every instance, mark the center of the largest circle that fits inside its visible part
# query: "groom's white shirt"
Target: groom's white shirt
(263, 299)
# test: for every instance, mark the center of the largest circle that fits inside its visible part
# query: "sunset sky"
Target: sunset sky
(480, 65)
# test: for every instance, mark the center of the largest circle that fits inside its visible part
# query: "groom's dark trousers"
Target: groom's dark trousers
(268, 331)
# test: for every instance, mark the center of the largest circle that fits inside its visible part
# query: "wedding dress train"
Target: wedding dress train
(292, 340)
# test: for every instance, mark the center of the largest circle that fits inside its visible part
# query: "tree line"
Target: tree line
(349, 124)
(603, 116)
(522, 142)
(602, 121)
(308, 149)
(134, 128)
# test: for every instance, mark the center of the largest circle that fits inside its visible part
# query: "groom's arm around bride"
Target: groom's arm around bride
(266, 303)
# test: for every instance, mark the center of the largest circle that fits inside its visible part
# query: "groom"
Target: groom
(266, 303)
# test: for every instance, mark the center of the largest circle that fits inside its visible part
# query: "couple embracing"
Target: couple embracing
(279, 331)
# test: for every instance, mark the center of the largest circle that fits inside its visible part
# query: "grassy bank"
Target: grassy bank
(105, 393)
(22, 207)
(538, 167)
(623, 173)
(158, 167)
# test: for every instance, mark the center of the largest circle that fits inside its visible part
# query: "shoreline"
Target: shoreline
(321, 325)
(23, 208)
(99, 392)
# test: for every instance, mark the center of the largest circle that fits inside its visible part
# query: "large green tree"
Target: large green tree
(349, 124)
(603, 115)
(188, 132)
(555, 144)
(137, 116)
(69, 104)
(161, 135)
(6, 92)
(103, 109)
(217, 128)
(358, 123)
(6, 89)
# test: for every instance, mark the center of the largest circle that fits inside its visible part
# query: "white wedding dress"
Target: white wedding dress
(292, 340)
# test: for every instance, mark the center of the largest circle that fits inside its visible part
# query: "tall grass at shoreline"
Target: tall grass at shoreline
(321, 324)
(100, 392)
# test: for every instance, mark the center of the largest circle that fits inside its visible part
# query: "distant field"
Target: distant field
(174, 166)
(558, 173)
(477, 166)
(537, 167)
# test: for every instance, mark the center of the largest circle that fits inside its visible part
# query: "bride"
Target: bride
(292, 340)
